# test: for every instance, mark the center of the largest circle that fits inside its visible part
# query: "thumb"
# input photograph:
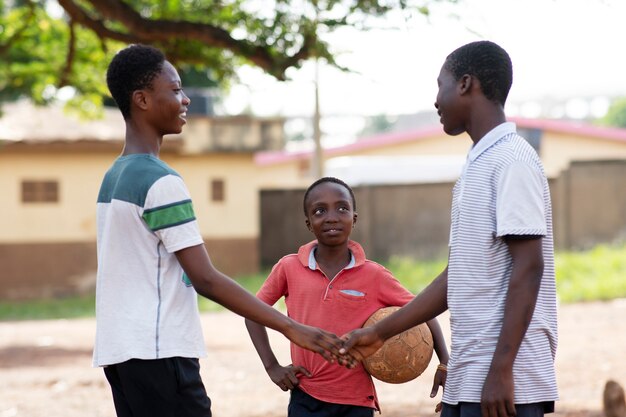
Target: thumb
(302, 370)
(348, 342)
(434, 390)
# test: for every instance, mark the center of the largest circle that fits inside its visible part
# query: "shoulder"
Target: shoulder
(131, 177)
(375, 270)
(286, 263)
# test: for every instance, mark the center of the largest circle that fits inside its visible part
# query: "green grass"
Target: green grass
(66, 307)
(596, 274)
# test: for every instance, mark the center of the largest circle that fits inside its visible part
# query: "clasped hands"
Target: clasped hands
(350, 348)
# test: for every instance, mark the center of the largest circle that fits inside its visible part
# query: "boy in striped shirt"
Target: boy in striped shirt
(152, 262)
(499, 283)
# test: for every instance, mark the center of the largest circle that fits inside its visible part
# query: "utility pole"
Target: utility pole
(318, 156)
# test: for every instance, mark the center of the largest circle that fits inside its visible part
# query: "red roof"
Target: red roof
(393, 138)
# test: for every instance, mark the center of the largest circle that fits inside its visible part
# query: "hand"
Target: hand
(498, 394)
(316, 340)
(286, 377)
(439, 380)
(361, 343)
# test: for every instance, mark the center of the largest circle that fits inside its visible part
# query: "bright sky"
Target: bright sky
(561, 49)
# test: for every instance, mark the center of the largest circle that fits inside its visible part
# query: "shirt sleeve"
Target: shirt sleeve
(520, 206)
(168, 212)
(391, 292)
(275, 286)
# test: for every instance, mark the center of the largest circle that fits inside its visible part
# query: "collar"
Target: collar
(313, 261)
(306, 255)
(491, 138)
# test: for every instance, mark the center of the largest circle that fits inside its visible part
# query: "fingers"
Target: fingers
(302, 370)
(434, 389)
(498, 409)
(438, 407)
(510, 409)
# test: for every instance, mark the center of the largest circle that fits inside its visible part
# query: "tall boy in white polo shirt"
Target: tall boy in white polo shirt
(499, 283)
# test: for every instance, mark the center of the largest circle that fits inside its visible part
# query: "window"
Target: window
(40, 191)
(217, 190)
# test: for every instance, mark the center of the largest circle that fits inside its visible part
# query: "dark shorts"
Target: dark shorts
(169, 387)
(473, 409)
(302, 404)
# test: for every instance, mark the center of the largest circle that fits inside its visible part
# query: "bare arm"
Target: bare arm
(212, 284)
(286, 377)
(428, 304)
(498, 391)
(441, 350)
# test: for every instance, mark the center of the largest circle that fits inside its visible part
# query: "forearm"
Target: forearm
(260, 340)
(519, 307)
(439, 341)
(214, 285)
(428, 304)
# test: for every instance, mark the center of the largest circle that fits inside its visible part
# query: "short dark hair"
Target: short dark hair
(324, 180)
(486, 61)
(131, 69)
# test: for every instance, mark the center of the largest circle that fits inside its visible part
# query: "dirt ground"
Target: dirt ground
(45, 368)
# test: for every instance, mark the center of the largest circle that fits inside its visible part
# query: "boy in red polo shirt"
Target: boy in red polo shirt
(330, 284)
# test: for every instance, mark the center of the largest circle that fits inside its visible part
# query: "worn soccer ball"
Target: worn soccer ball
(403, 357)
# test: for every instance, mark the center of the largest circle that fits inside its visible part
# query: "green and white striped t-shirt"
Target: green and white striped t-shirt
(146, 307)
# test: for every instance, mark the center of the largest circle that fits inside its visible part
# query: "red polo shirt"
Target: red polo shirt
(338, 305)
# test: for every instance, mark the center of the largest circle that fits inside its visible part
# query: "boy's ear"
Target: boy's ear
(308, 224)
(354, 217)
(140, 99)
(465, 83)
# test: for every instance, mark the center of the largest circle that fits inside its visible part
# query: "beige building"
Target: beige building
(51, 166)
(557, 142)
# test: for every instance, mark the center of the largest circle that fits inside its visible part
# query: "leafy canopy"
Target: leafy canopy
(46, 45)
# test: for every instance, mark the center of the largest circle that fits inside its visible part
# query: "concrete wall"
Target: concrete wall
(48, 249)
(588, 202)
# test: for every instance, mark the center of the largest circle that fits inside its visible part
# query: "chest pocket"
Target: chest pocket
(352, 295)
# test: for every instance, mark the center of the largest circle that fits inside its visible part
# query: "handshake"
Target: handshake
(346, 350)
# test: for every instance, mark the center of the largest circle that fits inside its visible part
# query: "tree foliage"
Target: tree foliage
(616, 115)
(41, 51)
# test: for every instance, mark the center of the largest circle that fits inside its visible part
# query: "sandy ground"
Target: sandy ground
(45, 368)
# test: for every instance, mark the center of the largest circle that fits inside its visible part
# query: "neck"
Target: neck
(333, 255)
(484, 119)
(139, 139)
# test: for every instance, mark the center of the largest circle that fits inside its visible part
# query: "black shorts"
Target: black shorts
(302, 404)
(473, 409)
(169, 387)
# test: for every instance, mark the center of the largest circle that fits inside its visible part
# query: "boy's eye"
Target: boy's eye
(318, 211)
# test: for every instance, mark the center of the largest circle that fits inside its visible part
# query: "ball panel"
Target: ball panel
(402, 357)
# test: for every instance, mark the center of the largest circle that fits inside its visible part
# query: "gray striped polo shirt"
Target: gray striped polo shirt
(502, 191)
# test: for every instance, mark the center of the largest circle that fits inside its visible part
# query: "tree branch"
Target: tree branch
(79, 16)
(69, 60)
(142, 30)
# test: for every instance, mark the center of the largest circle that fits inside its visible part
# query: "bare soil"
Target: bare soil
(45, 368)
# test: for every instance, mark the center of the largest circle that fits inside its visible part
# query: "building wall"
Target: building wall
(588, 204)
(49, 248)
(558, 150)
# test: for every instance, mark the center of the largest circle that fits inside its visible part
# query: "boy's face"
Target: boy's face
(448, 103)
(330, 215)
(168, 110)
